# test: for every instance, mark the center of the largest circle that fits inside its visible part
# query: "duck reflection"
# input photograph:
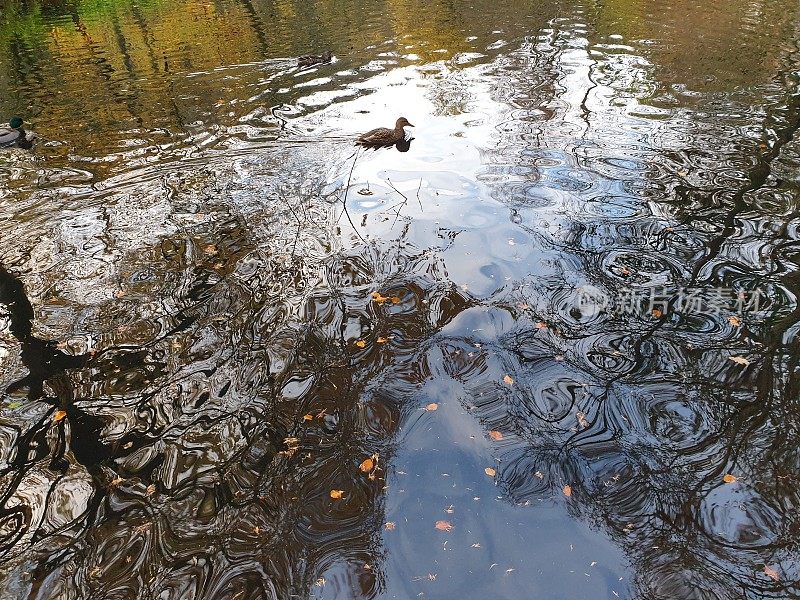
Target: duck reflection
(404, 145)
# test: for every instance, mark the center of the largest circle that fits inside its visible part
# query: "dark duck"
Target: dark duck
(383, 137)
(314, 59)
(14, 134)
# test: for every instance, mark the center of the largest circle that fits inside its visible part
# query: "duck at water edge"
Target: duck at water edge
(383, 137)
(15, 134)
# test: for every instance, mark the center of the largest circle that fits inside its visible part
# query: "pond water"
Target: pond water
(549, 350)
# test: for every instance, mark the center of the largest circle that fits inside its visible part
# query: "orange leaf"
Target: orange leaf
(657, 313)
(432, 407)
(567, 491)
(60, 414)
(367, 465)
(337, 494)
(395, 300)
(735, 321)
(729, 478)
(444, 526)
(390, 526)
(508, 379)
(772, 573)
(361, 343)
(496, 435)
(490, 471)
(308, 417)
(382, 340)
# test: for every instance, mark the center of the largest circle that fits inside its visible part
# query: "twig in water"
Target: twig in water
(344, 199)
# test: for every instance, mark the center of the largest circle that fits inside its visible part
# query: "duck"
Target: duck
(14, 134)
(314, 59)
(383, 136)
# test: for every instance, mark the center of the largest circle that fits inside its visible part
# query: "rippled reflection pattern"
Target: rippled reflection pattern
(196, 364)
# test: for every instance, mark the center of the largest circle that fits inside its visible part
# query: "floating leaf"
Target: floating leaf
(582, 420)
(735, 321)
(540, 325)
(657, 313)
(361, 343)
(739, 360)
(151, 489)
(496, 435)
(444, 526)
(539, 474)
(508, 379)
(337, 494)
(772, 573)
(729, 478)
(367, 465)
(395, 299)
(567, 491)
(390, 526)
(432, 407)
(382, 340)
(60, 414)
(308, 417)
(490, 471)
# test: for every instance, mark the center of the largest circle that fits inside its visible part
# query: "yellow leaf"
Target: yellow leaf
(567, 491)
(390, 526)
(367, 465)
(496, 435)
(361, 343)
(60, 414)
(308, 417)
(729, 478)
(735, 321)
(490, 471)
(772, 573)
(444, 526)
(337, 494)
(432, 407)
(508, 379)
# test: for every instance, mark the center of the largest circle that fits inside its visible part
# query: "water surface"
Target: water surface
(549, 350)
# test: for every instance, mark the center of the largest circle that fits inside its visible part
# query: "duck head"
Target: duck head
(15, 123)
(402, 122)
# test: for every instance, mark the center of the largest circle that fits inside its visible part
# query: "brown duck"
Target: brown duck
(314, 59)
(384, 137)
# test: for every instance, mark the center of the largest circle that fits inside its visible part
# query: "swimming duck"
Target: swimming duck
(314, 59)
(14, 134)
(382, 136)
